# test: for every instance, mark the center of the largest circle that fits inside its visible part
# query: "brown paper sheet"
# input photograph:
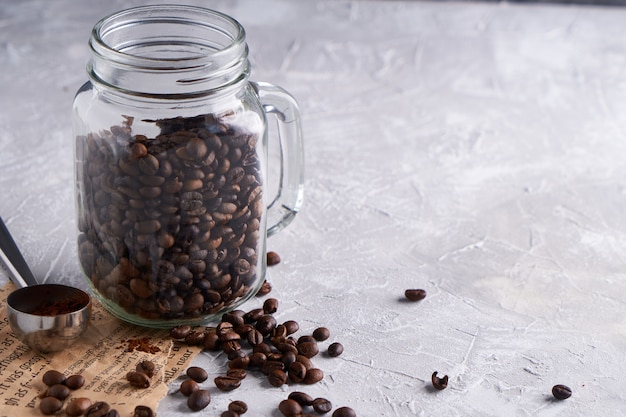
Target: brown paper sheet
(101, 355)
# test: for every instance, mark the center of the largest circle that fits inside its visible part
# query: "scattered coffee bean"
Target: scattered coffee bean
(75, 382)
(344, 412)
(53, 377)
(58, 391)
(226, 383)
(270, 306)
(561, 392)
(199, 400)
(415, 294)
(229, 413)
(272, 258)
(50, 405)
(138, 379)
(188, 387)
(265, 289)
(290, 408)
(277, 377)
(237, 373)
(291, 326)
(143, 411)
(197, 374)
(301, 398)
(113, 413)
(313, 375)
(439, 383)
(147, 367)
(322, 405)
(98, 409)
(180, 332)
(238, 407)
(77, 406)
(335, 349)
(321, 333)
(308, 349)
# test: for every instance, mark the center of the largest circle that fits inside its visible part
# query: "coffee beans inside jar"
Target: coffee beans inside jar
(170, 224)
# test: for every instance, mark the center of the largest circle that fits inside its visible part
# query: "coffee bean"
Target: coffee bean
(197, 374)
(335, 349)
(308, 349)
(98, 409)
(301, 398)
(226, 383)
(75, 382)
(291, 326)
(238, 407)
(313, 375)
(297, 371)
(322, 405)
(188, 387)
(272, 258)
(229, 414)
(113, 413)
(344, 412)
(270, 306)
(199, 400)
(290, 408)
(265, 324)
(415, 294)
(58, 391)
(147, 367)
(321, 333)
(138, 379)
(180, 332)
(561, 392)
(439, 383)
(53, 377)
(143, 411)
(50, 405)
(265, 289)
(236, 373)
(277, 377)
(77, 406)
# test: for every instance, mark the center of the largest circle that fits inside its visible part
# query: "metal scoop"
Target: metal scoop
(46, 317)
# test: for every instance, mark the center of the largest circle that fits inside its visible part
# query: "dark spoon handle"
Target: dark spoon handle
(13, 260)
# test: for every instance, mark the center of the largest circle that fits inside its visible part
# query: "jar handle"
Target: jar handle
(283, 207)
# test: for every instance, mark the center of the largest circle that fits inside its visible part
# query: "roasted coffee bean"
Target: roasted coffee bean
(238, 407)
(53, 377)
(237, 373)
(226, 383)
(253, 315)
(270, 306)
(272, 258)
(50, 405)
(335, 349)
(180, 332)
(75, 382)
(77, 407)
(291, 326)
(313, 375)
(265, 324)
(195, 338)
(265, 289)
(197, 374)
(561, 392)
(439, 383)
(138, 379)
(98, 409)
(188, 386)
(229, 413)
(308, 349)
(344, 412)
(255, 337)
(113, 413)
(305, 361)
(301, 398)
(199, 400)
(147, 367)
(239, 363)
(143, 411)
(297, 371)
(415, 294)
(277, 377)
(322, 405)
(321, 333)
(271, 365)
(257, 359)
(211, 341)
(290, 408)
(306, 339)
(58, 391)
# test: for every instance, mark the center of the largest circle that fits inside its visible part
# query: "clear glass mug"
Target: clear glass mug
(171, 145)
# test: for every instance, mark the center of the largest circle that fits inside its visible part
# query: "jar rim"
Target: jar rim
(165, 13)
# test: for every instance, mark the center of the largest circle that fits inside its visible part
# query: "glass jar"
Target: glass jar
(171, 159)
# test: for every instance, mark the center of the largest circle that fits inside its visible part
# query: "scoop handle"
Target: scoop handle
(14, 262)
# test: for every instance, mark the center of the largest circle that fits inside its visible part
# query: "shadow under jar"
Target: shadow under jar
(171, 165)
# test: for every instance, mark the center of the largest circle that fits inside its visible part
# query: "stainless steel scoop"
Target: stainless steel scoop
(46, 317)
